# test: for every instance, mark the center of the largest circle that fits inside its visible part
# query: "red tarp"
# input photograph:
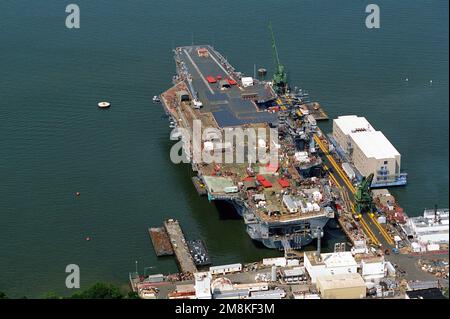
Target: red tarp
(265, 183)
(260, 177)
(248, 179)
(283, 182)
(274, 109)
(231, 82)
(210, 79)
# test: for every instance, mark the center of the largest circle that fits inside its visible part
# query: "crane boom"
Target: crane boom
(274, 47)
(279, 80)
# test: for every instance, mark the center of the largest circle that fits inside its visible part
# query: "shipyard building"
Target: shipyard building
(428, 230)
(341, 286)
(329, 264)
(368, 149)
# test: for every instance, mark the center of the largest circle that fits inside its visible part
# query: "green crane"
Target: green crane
(363, 196)
(279, 77)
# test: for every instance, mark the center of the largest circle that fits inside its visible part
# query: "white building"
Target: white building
(373, 269)
(372, 153)
(344, 125)
(329, 264)
(369, 150)
(202, 285)
(430, 228)
(247, 81)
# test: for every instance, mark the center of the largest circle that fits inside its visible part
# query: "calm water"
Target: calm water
(55, 141)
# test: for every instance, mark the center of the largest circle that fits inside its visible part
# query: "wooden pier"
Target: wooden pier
(179, 246)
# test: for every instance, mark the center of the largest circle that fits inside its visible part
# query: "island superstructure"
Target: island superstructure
(284, 205)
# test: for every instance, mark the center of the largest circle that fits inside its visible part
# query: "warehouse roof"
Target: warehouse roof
(374, 144)
(331, 260)
(340, 281)
(294, 272)
(341, 259)
(352, 123)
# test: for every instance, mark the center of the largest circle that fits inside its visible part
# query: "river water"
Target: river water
(55, 141)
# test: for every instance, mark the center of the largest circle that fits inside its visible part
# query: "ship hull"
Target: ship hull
(293, 235)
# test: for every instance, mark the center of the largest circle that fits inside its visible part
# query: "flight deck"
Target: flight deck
(220, 88)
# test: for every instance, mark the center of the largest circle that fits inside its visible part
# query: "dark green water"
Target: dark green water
(55, 141)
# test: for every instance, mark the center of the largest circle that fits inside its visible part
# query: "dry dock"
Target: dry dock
(179, 246)
(160, 241)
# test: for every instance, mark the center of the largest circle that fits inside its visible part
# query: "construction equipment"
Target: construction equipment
(279, 80)
(363, 196)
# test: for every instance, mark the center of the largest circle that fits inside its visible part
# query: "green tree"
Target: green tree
(3, 295)
(99, 291)
(132, 295)
(52, 295)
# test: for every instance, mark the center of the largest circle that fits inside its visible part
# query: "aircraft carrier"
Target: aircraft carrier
(284, 205)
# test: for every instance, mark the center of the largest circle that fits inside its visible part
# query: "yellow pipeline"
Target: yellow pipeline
(335, 180)
(332, 176)
(333, 162)
(371, 234)
(367, 229)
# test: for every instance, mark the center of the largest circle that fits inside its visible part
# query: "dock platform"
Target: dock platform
(160, 241)
(316, 110)
(199, 253)
(199, 186)
(179, 246)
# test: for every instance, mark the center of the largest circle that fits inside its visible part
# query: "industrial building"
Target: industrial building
(202, 285)
(341, 286)
(293, 275)
(329, 264)
(431, 228)
(343, 126)
(369, 150)
(373, 269)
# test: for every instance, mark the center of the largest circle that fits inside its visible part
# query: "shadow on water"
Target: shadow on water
(226, 211)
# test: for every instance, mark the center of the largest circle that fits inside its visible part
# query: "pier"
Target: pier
(199, 186)
(179, 246)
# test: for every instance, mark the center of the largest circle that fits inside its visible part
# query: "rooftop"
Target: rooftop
(352, 123)
(294, 272)
(374, 144)
(217, 184)
(331, 260)
(340, 281)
